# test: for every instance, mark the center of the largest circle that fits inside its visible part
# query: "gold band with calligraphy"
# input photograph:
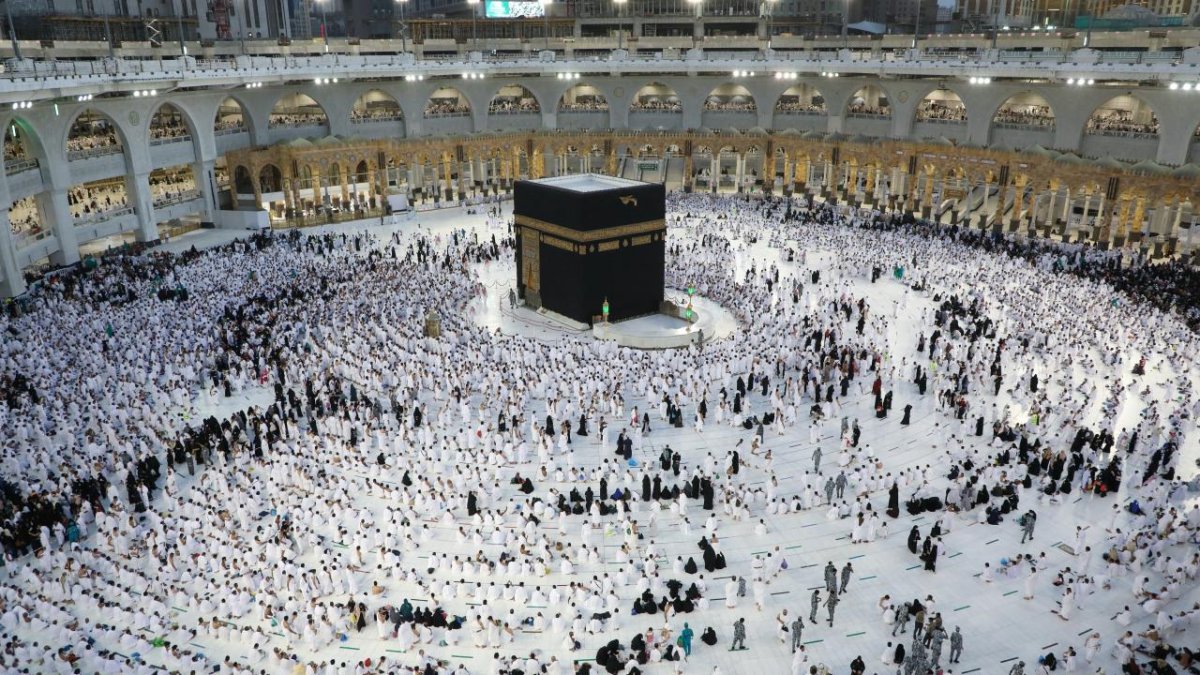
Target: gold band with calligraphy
(578, 236)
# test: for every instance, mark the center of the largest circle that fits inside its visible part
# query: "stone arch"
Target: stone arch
(1113, 117)
(27, 146)
(91, 130)
(941, 104)
(447, 102)
(232, 114)
(1025, 108)
(513, 98)
(730, 96)
(802, 97)
(655, 96)
(582, 97)
(297, 109)
(243, 183)
(168, 120)
(376, 105)
(270, 179)
(870, 99)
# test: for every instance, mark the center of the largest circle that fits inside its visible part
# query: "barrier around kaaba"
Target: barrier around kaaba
(587, 239)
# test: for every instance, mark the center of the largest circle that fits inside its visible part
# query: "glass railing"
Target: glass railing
(1122, 133)
(28, 238)
(13, 166)
(942, 120)
(101, 216)
(172, 231)
(171, 200)
(298, 124)
(394, 117)
(88, 153)
(1047, 125)
(166, 140)
(801, 111)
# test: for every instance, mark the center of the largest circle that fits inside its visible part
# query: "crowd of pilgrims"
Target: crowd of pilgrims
(1119, 123)
(139, 523)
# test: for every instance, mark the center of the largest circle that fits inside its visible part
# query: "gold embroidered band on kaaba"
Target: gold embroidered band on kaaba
(589, 236)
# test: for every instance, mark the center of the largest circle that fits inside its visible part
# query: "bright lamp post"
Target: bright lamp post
(403, 27)
(620, 25)
(846, 25)
(696, 21)
(917, 26)
(770, 6)
(474, 4)
(545, 21)
(12, 30)
(324, 21)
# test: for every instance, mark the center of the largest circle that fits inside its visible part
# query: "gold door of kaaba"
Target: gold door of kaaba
(531, 272)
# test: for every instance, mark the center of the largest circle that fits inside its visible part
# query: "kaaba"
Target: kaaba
(586, 239)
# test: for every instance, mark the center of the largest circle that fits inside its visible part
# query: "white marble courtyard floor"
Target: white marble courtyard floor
(998, 625)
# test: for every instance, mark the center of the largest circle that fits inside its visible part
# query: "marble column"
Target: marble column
(55, 212)
(12, 282)
(202, 174)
